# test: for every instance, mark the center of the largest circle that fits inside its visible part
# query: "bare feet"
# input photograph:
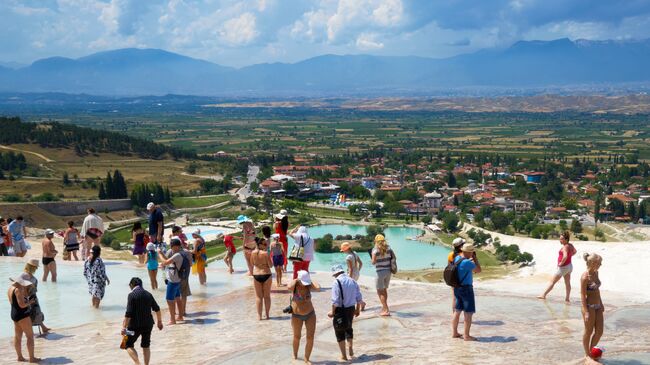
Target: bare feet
(385, 314)
(344, 358)
(567, 301)
(21, 359)
(171, 323)
(351, 351)
(456, 335)
(363, 306)
(34, 360)
(541, 297)
(469, 338)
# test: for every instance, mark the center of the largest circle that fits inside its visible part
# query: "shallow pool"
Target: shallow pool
(411, 255)
(208, 232)
(67, 302)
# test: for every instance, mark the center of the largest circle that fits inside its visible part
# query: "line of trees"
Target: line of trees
(10, 161)
(142, 194)
(114, 187)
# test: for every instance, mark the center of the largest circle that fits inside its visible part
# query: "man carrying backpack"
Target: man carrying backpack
(466, 264)
(173, 266)
(184, 273)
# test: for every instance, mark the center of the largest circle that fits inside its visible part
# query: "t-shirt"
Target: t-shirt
(465, 271)
(16, 230)
(139, 305)
(230, 246)
(450, 257)
(154, 219)
(173, 268)
(352, 258)
(383, 261)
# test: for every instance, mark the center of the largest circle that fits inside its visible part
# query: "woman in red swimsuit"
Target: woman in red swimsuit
(564, 266)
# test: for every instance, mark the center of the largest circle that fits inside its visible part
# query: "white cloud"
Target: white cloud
(388, 13)
(239, 31)
(367, 42)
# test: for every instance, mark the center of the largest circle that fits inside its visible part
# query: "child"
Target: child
(230, 252)
(277, 256)
(152, 265)
(71, 240)
(178, 232)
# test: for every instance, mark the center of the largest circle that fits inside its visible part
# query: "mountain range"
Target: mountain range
(525, 64)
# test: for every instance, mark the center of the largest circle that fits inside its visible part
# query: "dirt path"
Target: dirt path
(46, 159)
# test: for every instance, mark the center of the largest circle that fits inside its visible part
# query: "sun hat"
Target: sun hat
(151, 246)
(18, 279)
(282, 214)
(150, 205)
(458, 241)
(379, 238)
(49, 232)
(468, 247)
(304, 277)
(345, 246)
(243, 219)
(337, 269)
(275, 235)
(33, 262)
(196, 232)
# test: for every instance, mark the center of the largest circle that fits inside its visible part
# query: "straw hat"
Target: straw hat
(33, 262)
(345, 246)
(468, 247)
(379, 238)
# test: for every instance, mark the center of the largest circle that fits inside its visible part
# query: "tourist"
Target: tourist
(36, 314)
(5, 242)
(468, 265)
(177, 231)
(17, 294)
(262, 277)
(138, 320)
(248, 233)
(281, 228)
(302, 311)
(346, 304)
(457, 244)
(382, 255)
(71, 240)
(592, 304)
(156, 224)
(266, 233)
(277, 256)
(18, 234)
(91, 232)
(200, 254)
(230, 252)
(95, 273)
(301, 239)
(173, 281)
(152, 265)
(49, 253)
(137, 237)
(564, 267)
(354, 265)
(184, 272)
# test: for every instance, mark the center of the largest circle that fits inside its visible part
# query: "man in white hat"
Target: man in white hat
(346, 304)
(156, 224)
(467, 265)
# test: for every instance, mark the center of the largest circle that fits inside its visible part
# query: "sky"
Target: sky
(244, 32)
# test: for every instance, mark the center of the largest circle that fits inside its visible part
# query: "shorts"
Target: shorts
(173, 291)
(383, 279)
(20, 246)
(47, 260)
(278, 260)
(145, 342)
(348, 316)
(564, 270)
(185, 288)
(465, 299)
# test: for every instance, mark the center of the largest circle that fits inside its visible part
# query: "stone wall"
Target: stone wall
(75, 207)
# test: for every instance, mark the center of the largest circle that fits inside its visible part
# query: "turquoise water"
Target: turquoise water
(411, 255)
(67, 302)
(205, 230)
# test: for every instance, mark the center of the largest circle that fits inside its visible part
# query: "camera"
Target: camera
(287, 310)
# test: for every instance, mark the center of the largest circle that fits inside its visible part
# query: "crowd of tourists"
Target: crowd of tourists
(266, 254)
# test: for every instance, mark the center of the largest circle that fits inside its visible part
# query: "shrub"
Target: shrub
(324, 245)
(116, 245)
(107, 238)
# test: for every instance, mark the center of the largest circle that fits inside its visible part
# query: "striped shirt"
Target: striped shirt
(138, 308)
(383, 261)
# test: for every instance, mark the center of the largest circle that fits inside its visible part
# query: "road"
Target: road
(245, 192)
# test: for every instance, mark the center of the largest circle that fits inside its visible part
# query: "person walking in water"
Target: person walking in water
(36, 314)
(346, 304)
(230, 252)
(91, 232)
(137, 237)
(591, 302)
(200, 254)
(95, 273)
(49, 252)
(18, 234)
(152, 265)
(467, 266)
(138, 320)
(173, 281)
(71, 240)
(156, 224)
(20, 315)
(564, 267)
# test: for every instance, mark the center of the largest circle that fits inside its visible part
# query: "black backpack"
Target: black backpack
(186, 267)
(451, 274)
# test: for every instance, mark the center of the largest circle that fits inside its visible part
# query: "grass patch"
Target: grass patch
(198, 202)
(329, 213)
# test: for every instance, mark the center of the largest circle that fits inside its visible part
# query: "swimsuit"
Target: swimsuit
(47, 260)
(17, 313)
(262, 278)
(594, 286)
(303, 317)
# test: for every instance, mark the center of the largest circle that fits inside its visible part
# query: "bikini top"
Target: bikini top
(297, 297)
(594, 285)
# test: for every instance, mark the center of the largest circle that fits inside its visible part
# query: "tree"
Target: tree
(450, 222)
(290, 187)
(597, 205)
(290, 205)
(119, 186)
(66, 179)
(451, 180)
(576, 226)
(617, 207)
(110, 189)
(500, 221)
(251, 201)
(102, 191)
(631, 211)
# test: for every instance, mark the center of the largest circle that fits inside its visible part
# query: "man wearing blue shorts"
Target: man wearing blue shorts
(464, 294)
(172, 266)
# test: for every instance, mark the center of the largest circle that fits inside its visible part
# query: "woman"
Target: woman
(152, 265)
(248, 232)
(262, 277)
(20, 312)
(49, 252)
(277, 256)
(230, 252)
(95, 273)
(71, 240)
(354, 265)
(36, 314)
(592, 304)
(282, 227)
(4, 243)
(301, 238)
(200, 256)
(137, 237)
(382, 255)
(564, 266)
(303, 312)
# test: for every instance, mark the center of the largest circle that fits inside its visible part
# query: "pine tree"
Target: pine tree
(119, 185)
(102, 191)
(110, 187)
(66, 179)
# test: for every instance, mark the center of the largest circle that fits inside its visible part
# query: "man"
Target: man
(346, 304)
(464, 295)
(184, 273)
(156, 224)
(173, 265)
(139, 321)
(18, 234)
(91, 232)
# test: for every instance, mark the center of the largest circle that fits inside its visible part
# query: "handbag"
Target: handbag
(339, 322)
(298, 252)
(393, 263)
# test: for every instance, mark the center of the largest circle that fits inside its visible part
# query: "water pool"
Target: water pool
(67, 302)
(411, 255)
(208, 232)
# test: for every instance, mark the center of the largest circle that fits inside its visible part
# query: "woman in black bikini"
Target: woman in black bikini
(262, 265)
(592, 304)
(303, 312)
(17, 295)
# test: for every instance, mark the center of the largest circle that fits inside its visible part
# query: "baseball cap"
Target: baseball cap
(150, 205)
(458, 241)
